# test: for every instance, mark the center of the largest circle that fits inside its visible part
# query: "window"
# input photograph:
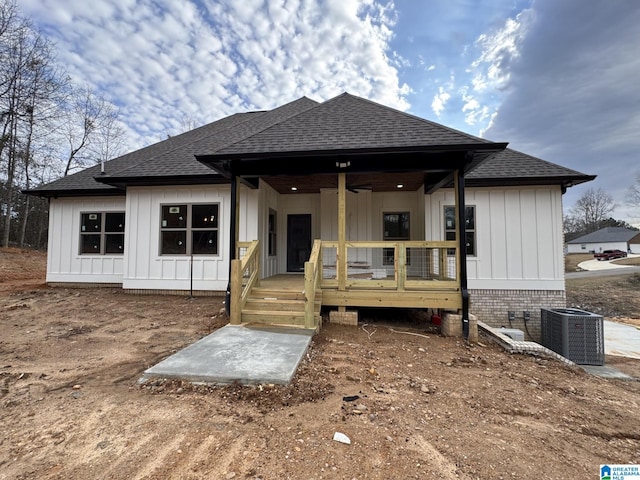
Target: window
(469, 223)
(396, 227)
(273, 236)
(102, 233)
(189, 229)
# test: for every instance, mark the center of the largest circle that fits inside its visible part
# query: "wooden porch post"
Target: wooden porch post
(342, 231)
(461, 235)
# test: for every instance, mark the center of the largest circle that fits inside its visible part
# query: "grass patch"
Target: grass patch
(571, 260)
(627, 261)
(615, 296)
(634, 280)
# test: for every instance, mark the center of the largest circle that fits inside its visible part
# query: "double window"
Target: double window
(102, 233)
(189, 229)
(469, 224)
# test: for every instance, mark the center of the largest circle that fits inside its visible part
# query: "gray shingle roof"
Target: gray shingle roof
(607, 235)
(348, 122)
(510, 165)
(181, 160)
(345, 122)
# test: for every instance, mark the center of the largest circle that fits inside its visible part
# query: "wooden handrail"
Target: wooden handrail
(245, 274)
(400, 280)
(312, 277)
(385, 244)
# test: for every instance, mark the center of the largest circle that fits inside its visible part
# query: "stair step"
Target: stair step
(259, 292)
(273, 316)
(259, 303)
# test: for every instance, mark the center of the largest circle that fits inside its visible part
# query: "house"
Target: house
(345, 203)
(609, 238)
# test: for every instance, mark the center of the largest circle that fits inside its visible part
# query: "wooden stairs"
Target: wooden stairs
(278, 306)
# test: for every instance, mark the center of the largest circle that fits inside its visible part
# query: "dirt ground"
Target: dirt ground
(422, 406)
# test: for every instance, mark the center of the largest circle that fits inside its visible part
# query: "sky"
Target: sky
(557, 79)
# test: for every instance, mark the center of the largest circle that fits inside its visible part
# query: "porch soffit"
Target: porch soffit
(356, 182)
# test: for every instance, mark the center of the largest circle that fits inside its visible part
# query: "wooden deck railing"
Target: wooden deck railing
(312, 279)
(400, 266)
(245, 274)
(413, 274)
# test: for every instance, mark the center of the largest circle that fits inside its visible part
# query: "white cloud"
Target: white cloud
(207, 59)
(499, 50)
(439, 101)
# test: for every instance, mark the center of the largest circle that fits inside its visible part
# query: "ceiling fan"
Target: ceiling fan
(357, 188)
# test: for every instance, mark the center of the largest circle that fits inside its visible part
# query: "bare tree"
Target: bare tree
(91, 130)
(28, 79)
(633, 192)
(590, 212)
(109, 141)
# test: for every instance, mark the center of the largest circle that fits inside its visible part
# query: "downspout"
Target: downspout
(462, 245)
(232, 240)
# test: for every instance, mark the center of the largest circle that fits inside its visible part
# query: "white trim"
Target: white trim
(182, 284)
(506, 284)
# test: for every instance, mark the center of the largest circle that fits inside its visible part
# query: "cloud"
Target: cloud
(499, 50)
(573, 96)
(206, 59)
(439, 101)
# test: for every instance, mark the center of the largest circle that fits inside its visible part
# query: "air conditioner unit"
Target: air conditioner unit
(575, 334)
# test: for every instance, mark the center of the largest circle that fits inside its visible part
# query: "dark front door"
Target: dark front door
(298, 241)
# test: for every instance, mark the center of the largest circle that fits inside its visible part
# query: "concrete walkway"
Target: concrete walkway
(235, 353)
(594, 264)
(621, 340)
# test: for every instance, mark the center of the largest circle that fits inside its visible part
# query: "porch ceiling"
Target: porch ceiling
(376, 182)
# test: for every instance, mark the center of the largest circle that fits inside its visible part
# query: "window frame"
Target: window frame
(470, 231)
(388, 253)
(189, 229)
(103, 233)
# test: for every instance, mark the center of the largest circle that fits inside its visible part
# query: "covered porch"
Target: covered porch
(343, 273)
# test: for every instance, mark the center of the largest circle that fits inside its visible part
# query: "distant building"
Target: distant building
(609, 238)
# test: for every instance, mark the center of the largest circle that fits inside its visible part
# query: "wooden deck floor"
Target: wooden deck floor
(287, 281)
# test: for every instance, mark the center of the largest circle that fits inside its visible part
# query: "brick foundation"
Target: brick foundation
(452, 326)
(344, 318)
(492, 307)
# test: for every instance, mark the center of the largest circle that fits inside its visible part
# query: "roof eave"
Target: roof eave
(197, 179)
(564, 181)
(78, 192)
(221, 162)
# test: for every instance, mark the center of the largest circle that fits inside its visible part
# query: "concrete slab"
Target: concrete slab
(622, 340)
(605, 371)
(234, 353)
(604, 264)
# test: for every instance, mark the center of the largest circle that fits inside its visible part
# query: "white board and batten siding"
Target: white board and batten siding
(148, 269)
(65, 264)
(518, 236)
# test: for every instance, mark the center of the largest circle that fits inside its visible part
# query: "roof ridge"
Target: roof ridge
(411, 115)
(266, 127)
